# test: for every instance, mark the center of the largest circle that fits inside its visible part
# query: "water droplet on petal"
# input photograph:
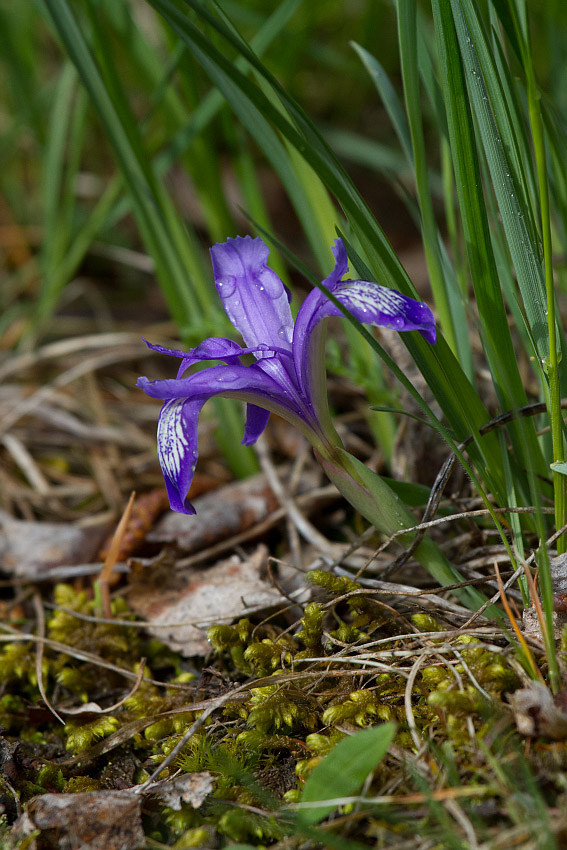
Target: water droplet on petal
(227, 377)
(286, 333)
(227, 285)
(270, 283)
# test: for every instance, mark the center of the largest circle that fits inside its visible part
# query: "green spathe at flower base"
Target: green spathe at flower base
(376, 501)
(288, 378)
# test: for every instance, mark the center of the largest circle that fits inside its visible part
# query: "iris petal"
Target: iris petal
(369, 303)
(214, 348)
(341, 265)
(256, 421)
(377, 305)
(309, 340)
(255, 299)
(177, 449)
(184, 397)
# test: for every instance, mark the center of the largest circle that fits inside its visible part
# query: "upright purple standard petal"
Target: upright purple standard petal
(309, 338)
(253, 296)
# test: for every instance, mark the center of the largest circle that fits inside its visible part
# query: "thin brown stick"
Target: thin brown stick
(531, 661)
(40, 617)
(113, 550)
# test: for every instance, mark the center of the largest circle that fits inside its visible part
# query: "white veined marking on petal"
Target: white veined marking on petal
(171, 437)
(370, 297)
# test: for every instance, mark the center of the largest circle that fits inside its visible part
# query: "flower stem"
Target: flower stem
(373, 498)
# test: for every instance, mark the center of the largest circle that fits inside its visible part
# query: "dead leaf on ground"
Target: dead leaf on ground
(538, 712)
(191, 788)
(220, 514)
(196, 599)
(29, 550)
(227, 511)
(100, 820)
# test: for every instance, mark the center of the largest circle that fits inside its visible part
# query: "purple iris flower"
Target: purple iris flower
(288, 375)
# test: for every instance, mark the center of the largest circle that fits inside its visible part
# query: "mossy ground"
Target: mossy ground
(458, 774)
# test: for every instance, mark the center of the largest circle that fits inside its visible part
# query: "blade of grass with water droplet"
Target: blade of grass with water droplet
(493, 321)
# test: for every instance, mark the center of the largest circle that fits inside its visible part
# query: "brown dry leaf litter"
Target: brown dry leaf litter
(106, 820)
(33, 550)
(179, 607)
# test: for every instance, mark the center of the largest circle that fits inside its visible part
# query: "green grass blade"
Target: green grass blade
(61, 168)
(367, 152)
(389, 98)
(342, 772)
(444, 284)
(494, 329)
(150, 203)
(55, 155)
(504, 162)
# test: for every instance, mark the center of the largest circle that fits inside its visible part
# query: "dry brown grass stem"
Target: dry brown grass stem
(110, 561)
(301, 523)
(79, 370)
(521, 639)
(40, 619)
(418, 739)
(65, 347)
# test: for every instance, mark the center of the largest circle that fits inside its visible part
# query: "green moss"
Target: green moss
(349, 633)
(177, 724)
(113, 642)
(259, 742)
(17, 663)
(466, 702)
(275, 733)
(426, 623)
(320, 744)
(268, 655)
(181, 820)
(311, 633)
(240, 825)
(81, 736)
(277, 708)
(362, 708)
(198, 837)
(80, 784)
(334, 585)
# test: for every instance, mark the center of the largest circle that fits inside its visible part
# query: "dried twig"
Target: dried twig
(106, 572)
(40, 617)
(305, 528)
